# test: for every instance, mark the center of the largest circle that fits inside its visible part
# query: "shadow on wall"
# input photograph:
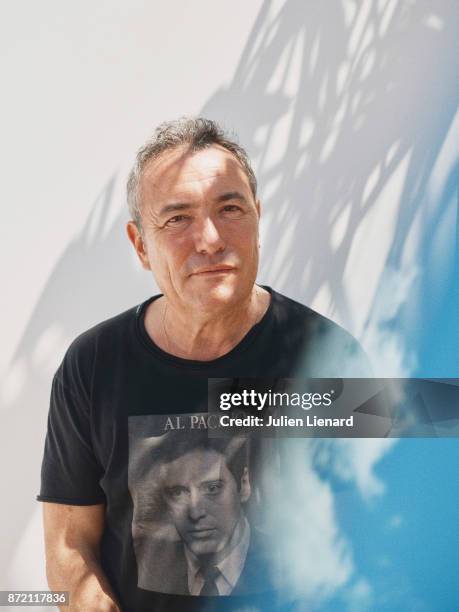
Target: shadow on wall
(338, 109)
(93, 279)
(345, 113)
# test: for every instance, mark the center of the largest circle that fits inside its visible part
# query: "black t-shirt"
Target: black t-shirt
(124, 430)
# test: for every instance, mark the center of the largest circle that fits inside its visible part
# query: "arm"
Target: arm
(72, 543)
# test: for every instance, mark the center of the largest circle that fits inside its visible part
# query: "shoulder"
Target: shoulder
(112, 328)
(99, 341)
(290, 312)
(256, 575)
(258, 548)
(327, 349)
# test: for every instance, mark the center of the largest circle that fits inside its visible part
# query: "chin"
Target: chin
(221, 295)
(200, 549)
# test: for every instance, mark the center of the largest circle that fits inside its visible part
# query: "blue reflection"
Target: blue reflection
(405, 545)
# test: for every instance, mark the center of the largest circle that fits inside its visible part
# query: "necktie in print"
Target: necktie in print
(210, 575)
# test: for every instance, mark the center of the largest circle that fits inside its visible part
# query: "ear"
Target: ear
(245, 486)
(258, 207)
(137, 242)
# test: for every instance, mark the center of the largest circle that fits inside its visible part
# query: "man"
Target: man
(204, 485)
(195, 215)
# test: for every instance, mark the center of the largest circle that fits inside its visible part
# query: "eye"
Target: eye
(175, 492)
(232, 210)
(214, 488)
(177, 220)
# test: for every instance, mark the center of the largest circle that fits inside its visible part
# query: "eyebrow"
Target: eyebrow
(212, 481)
(224, 197)
(176, 206)
(231, 195)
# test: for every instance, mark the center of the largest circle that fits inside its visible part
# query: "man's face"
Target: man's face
(203, 500)
(200, 225)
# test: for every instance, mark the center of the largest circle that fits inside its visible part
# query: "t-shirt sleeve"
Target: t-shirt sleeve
(70, 472)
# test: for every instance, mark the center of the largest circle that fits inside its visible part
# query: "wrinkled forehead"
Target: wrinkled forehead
(195, 467)
(179, 173)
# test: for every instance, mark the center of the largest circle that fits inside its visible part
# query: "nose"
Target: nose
(208, 238)
(196, 508)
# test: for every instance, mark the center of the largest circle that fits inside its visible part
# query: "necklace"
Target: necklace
(166, 335)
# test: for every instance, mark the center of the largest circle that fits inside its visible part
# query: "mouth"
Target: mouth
(214, 270)
(201, 534)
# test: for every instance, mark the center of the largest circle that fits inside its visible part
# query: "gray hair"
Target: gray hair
(194, 132)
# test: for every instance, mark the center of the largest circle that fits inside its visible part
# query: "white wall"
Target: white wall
(346, 108)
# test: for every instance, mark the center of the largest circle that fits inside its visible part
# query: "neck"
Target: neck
(203, 336)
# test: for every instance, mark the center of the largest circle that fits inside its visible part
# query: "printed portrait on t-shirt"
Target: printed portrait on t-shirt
(194, 504)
